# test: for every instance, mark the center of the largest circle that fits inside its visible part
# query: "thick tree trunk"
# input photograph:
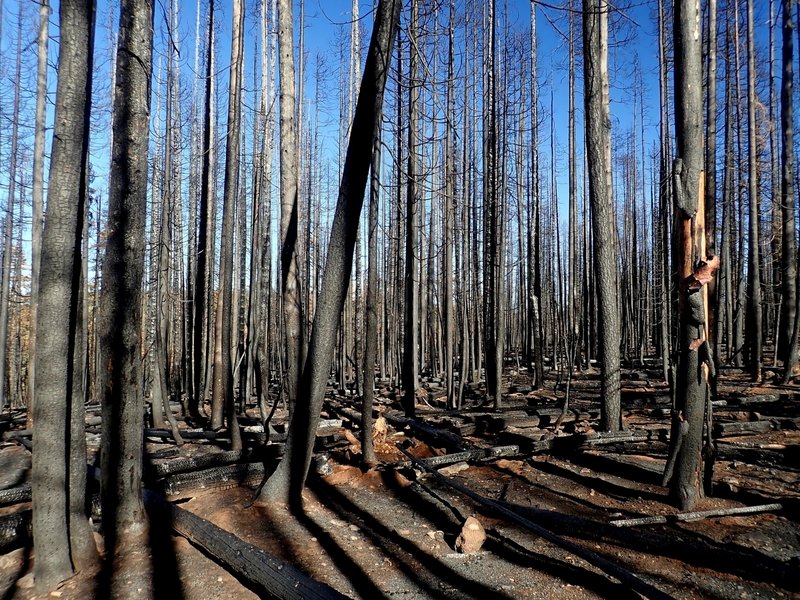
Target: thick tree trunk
(689, 238)
(124, 519)
(288, 480)
(598, 152)
(64, 542)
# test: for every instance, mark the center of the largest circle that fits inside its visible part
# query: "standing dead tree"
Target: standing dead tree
(60, 527)
(684, 467)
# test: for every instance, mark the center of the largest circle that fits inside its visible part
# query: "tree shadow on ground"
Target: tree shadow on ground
(416, 564)
(609, 488)
(429, 502)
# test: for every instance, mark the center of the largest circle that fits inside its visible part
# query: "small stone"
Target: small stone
(471, 538)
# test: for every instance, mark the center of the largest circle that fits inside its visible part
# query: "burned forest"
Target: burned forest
(364, 299)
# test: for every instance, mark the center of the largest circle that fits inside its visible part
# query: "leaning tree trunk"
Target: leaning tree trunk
(63, 542)
(124, 518)
(286, 484)
(684, 468)
(598, 152)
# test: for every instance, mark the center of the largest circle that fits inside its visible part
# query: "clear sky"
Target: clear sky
(327, 23)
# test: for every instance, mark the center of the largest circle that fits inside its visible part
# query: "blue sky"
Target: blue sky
(326, 22)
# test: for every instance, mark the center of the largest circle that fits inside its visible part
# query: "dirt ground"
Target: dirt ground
(390, 533)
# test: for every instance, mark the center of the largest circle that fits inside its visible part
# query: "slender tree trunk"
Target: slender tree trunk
(63, 537)
(411, 285)
(371, 345)
(598, 152)
(292, 309)
(222, 395)
(449, 214)
(37, 195)
(754, 305)
(8, 224)
(790, 323)
(287, 483)
(203, 249)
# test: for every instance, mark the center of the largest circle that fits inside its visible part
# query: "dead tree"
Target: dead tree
(684, 468)
(60, 527)
(598, 152)
(286, 484)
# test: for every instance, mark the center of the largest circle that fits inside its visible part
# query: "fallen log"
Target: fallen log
(742, 428)
(609, 568)
(274, 577)
(217, 478)
(694, 549)
(432, 434)
(456, 457)
(15, 495)
(697, 515)
(195, 463)
(17, 434)
(15, 530)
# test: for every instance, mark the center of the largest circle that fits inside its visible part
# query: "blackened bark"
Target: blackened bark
(288, 480)
(689, 239)
(58, 414)
(222, 396)
(598, 152)
(790, 324)
(124, 519)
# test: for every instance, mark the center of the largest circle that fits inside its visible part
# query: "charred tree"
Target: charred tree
(286, 484)
(62, 534)
(598, 153)
(124, 518)
(684, 468)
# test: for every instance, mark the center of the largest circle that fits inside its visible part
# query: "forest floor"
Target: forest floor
(391, 532)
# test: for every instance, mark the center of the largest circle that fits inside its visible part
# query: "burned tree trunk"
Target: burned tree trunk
(63, 538)
(288, 480)
(684, 469)
(598, 152)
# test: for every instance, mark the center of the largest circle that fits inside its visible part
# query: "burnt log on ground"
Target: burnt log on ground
(15, 495)
(15, 530)
(431, 434)
(217, 478)
(467, 456)
(534, 443)
(195, 463)
(271, 576)
(697, 515)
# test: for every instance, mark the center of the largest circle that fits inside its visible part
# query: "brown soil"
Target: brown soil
(386, 533)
